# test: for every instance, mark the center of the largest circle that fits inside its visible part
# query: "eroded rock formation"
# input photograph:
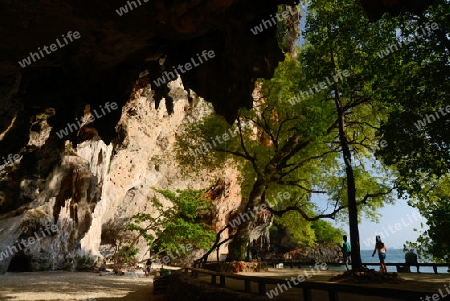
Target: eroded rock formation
(94, 186)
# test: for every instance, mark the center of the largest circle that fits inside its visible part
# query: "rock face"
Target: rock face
(328, 253)
(95, 186)
(62, 61)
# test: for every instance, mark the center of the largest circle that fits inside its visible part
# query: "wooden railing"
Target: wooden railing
(333, 289)
(398, 265)
(402, 264)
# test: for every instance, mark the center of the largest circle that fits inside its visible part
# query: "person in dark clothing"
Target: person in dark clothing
(254, 249)
(411, 259)
(103, 267)
(148, 267)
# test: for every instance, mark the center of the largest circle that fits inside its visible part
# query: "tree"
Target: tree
(417, 84)
(338, 39)
(402, 67)
(434, 244)
(414, 81)
(432, 200)
(176, 225)
(282, 146)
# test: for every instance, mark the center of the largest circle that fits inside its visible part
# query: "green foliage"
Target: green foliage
(438, 221)
(417, 84)
(383, 98)
(403, 87)
(292, 231)
(290, 144)
(305, 233)
(433, 244)
(413, 82)
(326, 233)
(300, 230)
(432, 200)
(338, 39)
(326, 173)
(181, 223)
(46, 264)
(82, 262)
(128, 253)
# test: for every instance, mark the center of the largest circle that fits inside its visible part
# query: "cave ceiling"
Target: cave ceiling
(99, 54)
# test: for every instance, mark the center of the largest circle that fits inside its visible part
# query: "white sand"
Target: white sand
(75, 286)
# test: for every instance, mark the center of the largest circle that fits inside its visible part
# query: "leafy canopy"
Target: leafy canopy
(176, 225)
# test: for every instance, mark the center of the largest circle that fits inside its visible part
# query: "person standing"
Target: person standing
(346, 252)
(381, 248)
(103, 267)
(148, 267)
(254, 250)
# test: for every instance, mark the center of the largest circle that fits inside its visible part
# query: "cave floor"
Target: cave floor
(58, 285)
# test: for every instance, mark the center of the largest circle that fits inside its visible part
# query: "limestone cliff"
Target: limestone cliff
(94, 186)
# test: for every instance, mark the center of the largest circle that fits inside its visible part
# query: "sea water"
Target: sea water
(392, 256)
(397, 256)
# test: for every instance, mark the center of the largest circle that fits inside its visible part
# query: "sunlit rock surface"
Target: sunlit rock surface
(95, 186)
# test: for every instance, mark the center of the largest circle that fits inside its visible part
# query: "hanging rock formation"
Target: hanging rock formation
(93, 187)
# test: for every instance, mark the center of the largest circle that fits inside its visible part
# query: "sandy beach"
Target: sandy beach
(59, 285)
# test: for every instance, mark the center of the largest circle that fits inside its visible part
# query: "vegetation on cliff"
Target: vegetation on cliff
(328, 122)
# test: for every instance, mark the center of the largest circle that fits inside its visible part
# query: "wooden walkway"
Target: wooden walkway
(321, 289)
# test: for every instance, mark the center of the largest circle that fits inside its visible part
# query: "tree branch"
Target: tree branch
(238, 154)
(330, 215)
(301, 163)
(295, 183)
(251, 158)
(216, 244)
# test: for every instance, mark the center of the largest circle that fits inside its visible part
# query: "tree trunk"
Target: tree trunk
(351, 187)
(351, 191)
(237, 249)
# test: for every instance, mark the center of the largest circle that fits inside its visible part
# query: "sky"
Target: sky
(395, 225)
(397, 222)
